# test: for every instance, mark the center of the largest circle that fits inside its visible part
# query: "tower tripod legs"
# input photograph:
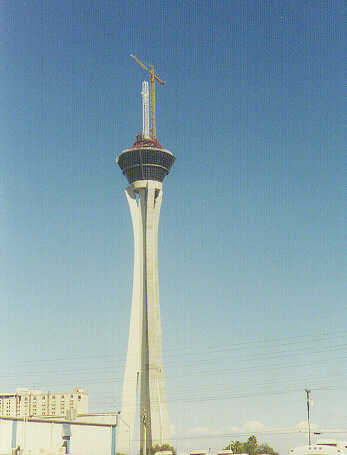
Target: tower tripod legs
(144, 359)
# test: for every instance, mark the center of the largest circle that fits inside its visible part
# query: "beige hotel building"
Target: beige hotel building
(30, 403)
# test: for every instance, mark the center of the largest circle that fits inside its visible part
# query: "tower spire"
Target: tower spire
(153, 78)
(145, 110)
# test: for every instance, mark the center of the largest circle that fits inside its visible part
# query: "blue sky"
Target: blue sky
(251, 230)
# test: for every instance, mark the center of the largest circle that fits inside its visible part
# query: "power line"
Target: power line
(258, 393)
(259, 358)
(178, 352)
(233, 370)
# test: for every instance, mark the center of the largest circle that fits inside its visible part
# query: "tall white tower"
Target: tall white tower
(145, 165)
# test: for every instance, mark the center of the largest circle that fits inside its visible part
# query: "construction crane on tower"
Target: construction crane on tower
(153, 79)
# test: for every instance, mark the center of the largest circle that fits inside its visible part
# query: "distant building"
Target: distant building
(28, 403)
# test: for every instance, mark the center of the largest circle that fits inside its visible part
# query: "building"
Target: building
(145, 166)
(90, 435)
(27, 403)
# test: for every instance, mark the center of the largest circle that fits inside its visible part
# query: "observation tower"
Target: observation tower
(145, 166)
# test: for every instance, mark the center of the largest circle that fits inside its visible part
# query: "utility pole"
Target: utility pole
(308, 391)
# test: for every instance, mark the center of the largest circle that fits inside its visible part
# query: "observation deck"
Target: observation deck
(145, 160)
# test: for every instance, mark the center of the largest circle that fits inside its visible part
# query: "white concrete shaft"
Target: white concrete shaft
(144, 367)
(145, 109)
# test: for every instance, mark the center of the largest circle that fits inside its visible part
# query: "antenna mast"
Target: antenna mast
(145, 110)
(153, 79)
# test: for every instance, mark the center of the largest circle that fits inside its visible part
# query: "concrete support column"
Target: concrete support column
(14, 435)
(144, 360)
(66, 436)
(113, 440)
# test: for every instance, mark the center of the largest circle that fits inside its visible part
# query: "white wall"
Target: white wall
(5, 436)
(35, 436)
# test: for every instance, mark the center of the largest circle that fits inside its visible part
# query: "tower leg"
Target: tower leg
(133, 361)
(144, 360)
